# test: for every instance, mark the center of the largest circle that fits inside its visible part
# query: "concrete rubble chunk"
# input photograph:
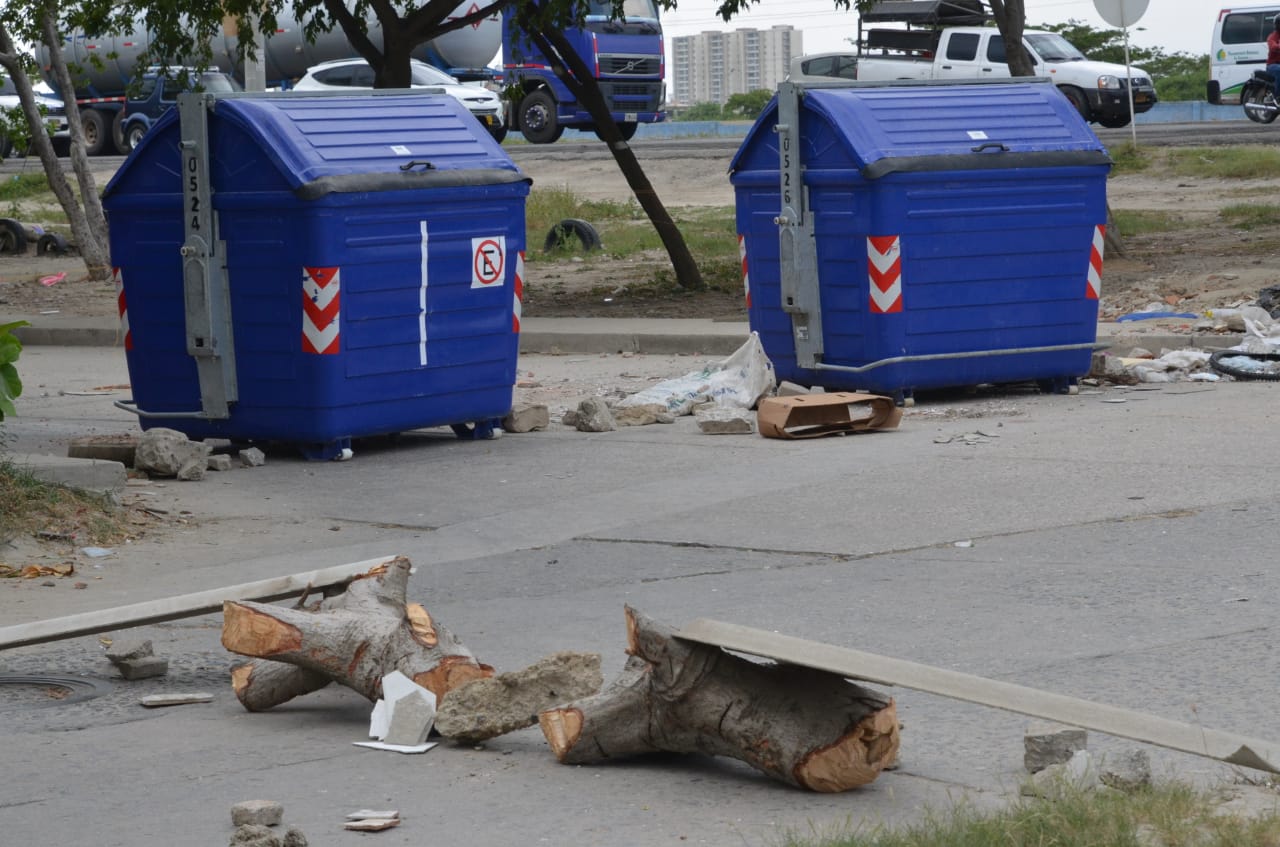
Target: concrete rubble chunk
(1076, 774)
(594, 415)
(570, 418)
(371, 824)
(163, 452)
(722, 420)
(252, 457)
(487, 708)
(258, 812)
(293, 837)
(1128, 771)
(644, 415)
(193, 469)
(123, 651)
(219, 462)
(112, 448)
(410, 720)
(527, 418)
(253, 835)
(144, 668)
(1051, 744)
(153, 701)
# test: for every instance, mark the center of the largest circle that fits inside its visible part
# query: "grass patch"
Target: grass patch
(29, 506)
(1143, 221)
(24, 185)
(1224, 162)
(1251, 215)
(1171, 814)
(1130, 160)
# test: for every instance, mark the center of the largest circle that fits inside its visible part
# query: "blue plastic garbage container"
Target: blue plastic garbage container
(373, 251)
(903, 237)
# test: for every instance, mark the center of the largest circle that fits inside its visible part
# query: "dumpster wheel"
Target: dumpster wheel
(338, 450)
(478, 431)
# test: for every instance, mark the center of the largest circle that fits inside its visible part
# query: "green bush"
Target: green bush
(10, 384)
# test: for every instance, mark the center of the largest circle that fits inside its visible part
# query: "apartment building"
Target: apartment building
(711, 66)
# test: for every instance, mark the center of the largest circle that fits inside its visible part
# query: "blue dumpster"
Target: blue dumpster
(899, 237)
(314, 269)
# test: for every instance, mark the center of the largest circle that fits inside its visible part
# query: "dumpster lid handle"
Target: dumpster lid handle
(991, 144)
(415, 163)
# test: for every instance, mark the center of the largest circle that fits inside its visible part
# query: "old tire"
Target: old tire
(538, 118)
(117, 133)
(562, 233)
(1115, 122)
(1077, 100)
(499, 133)
(96, 137)
(1215, 362)
(133, 137)
(13, 238)
(53, 243)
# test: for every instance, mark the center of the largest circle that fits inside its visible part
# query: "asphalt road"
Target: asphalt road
(1120, 551)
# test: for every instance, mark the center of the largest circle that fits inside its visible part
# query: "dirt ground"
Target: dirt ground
(1202, 265)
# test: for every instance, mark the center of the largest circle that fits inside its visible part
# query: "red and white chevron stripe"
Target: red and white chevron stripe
(517, 306)
(746, 278)
(884, 269)
(125, 332)
(1093, 286)
(320, 287)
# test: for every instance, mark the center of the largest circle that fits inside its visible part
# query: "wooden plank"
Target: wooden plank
(182, 606)
(1112, 720)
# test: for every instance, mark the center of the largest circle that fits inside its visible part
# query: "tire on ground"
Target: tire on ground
(13, 238)
(569, 228)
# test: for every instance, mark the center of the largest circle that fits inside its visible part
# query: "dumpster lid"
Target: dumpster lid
(355, 142)
(930, 127)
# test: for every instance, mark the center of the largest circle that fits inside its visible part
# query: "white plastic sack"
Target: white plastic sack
(738, 381)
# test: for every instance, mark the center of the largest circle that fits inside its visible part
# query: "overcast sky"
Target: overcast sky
(1174, 25)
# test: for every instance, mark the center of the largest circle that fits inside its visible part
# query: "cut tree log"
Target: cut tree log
(804, 727)
(354, 638)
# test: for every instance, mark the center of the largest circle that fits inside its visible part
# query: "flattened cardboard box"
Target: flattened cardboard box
(816, 415)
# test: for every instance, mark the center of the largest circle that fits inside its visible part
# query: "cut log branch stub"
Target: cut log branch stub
(807, 728)
(354, 638)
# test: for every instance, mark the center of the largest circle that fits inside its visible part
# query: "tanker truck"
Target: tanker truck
(103, 67)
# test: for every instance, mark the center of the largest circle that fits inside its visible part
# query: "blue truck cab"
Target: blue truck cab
(157, 92)
(626, 55)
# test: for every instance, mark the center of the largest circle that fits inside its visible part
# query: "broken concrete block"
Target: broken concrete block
(595, 416)
(486, 708)
(293, 837)
(411, 719)
(193, 469)
(1128, 771)
(163, 452)
(527, 419)
(257, 812)
(371, 824)
(1051, 744)
(643, 415)
(123, 651)
(253, 835)
(112, 448)
(1076, 774)
(152, 701)
(252, 457)
(570, 418)
(144, 668)
(219, 462)
(722, 420)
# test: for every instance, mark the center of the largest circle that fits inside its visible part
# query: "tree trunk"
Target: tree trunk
(355, 638)
(1011, 18)
(808, 728)
(1112, 242)
(572, 70)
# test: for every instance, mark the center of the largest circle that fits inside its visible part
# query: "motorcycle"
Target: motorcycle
(1257, 97)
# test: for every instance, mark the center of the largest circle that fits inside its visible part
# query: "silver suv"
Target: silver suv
(55, 115)
(355, 74)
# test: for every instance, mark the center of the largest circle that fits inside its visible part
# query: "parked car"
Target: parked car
(157, 94)
(355, 74)
(824, 67)
(55, 115)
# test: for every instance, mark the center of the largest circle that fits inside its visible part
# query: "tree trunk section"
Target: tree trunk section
(355, 638)
(808, 728)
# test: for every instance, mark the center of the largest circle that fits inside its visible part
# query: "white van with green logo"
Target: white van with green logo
(1239, 48)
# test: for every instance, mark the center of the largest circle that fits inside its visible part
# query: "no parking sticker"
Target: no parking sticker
(488, 260)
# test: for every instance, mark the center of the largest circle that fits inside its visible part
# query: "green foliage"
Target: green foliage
(1251, 215)
(700, 112)
(1142, 222)
(748, 105)
(1177, 76)
(10, 384)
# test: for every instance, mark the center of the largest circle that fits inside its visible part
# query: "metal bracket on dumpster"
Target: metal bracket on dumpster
(797, 245)
(206, 290)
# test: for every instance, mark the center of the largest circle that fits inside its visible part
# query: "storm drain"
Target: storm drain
(27, 691)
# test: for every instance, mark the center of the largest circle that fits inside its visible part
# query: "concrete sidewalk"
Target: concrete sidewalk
(657, 336)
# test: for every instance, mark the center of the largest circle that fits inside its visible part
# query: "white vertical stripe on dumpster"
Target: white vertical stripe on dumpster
(422, 299)
(517, 307)
(118, 279)
(884, 271)
(746, 279)
(1093, 288)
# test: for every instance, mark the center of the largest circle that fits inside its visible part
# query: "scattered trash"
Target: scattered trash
(1146, 316)
(53, 279)
(153, 701)
(97, 552)
(737, 381)
(35, 571)
(816, 415)
(1259, 366)
(402, 719)
(966, 543)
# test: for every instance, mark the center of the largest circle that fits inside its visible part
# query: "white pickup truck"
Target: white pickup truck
(1096, 89)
